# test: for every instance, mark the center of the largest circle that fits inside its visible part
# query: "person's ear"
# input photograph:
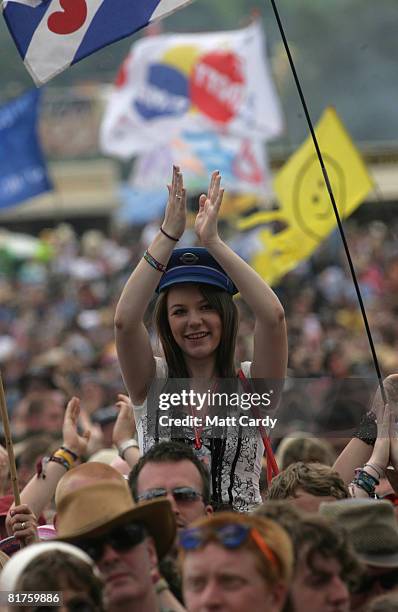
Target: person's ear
(277, 597)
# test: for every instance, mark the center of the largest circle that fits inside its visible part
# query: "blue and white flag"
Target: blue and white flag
(23, 172)
(53, 34)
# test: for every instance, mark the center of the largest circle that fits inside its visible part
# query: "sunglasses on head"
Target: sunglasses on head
(387, 581)
(121, 539)
(77, 604)
(180, 494)
(230, 536)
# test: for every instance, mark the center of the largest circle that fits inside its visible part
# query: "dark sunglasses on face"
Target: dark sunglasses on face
(387, 581)
(121, 539)
(180, 494)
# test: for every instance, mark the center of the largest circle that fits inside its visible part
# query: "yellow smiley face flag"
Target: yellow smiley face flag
(305, 210)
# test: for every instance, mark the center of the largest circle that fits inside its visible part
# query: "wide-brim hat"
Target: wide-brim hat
(372, 528)
(195, 265)
(95, 509)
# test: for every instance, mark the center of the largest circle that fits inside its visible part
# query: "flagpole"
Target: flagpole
(9, 445)
(333, 201)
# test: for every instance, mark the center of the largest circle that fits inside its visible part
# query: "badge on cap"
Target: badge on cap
(189, 259)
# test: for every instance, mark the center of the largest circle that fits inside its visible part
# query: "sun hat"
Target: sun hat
(19, 562)
(95, 509)
(195, 265)
(372, 528)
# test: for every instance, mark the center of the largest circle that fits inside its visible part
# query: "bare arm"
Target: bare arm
(354, 455)
(40, 491)
(270, 336)
(357, 453)
(132, 341)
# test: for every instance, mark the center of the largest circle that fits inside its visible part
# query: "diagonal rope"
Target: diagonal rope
(333, 201)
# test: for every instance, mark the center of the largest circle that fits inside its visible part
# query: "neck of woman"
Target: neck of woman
(205, 370)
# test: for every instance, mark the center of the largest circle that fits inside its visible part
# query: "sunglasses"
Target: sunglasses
(230, 536)
(74, 605)
(387, 581)
(180, 494)
(120, 539)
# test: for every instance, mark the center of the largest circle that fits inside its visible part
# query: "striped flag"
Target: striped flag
(54, 34)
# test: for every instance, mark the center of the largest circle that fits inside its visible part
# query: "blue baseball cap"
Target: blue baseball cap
(195, 265)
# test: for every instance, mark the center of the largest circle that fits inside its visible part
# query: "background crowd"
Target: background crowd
(57, 342)
(57, 308)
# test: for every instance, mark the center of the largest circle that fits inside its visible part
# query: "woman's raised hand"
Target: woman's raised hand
(176, 210)
(387, 417)
(391, 384)
(209, 206)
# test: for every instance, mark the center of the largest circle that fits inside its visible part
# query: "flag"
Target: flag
(215, 81)
(305, 216)
(23, 172)
(242, 163)
(53, 34)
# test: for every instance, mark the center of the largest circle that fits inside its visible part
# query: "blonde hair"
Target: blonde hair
(273, 536)
(303, 446)
(313, 478)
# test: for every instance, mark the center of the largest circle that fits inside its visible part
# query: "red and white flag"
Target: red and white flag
(218, 81)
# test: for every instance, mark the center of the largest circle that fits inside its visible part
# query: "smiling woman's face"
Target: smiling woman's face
(196, 326)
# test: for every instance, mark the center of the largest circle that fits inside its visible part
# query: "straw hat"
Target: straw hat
(372, 528)
(95, 509)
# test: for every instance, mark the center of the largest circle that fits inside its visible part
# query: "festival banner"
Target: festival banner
(53, 34)
(305, 213)
(217, 81)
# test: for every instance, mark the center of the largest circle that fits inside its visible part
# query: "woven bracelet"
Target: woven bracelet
(154, 263)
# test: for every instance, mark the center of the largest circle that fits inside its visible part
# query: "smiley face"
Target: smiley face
(312, 208)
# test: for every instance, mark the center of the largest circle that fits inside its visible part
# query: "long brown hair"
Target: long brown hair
(223, 303)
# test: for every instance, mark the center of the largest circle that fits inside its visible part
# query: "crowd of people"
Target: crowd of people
(193, 515)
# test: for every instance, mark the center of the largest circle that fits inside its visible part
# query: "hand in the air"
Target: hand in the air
(124, 428)
(209, 207)
(175, 216)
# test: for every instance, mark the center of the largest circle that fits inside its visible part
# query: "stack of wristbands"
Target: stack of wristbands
(365, 481)
(63, 456)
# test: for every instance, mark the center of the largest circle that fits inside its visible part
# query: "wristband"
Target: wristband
(60, 461)
(365, 481)
(71, 453)
(64, 456)
(378, 470)
(168, 235)
(154, 263)
(132, 443)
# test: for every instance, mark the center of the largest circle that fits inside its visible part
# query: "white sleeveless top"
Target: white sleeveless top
(238, 476)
